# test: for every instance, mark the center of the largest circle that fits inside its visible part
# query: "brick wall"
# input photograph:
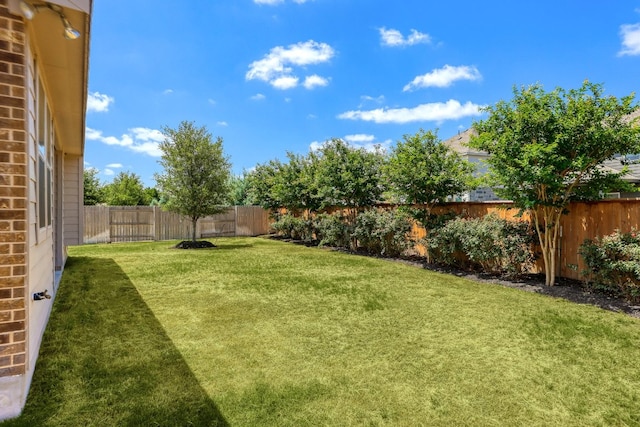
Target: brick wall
(13, 194)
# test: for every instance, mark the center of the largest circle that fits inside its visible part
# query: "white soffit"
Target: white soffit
(81, 5)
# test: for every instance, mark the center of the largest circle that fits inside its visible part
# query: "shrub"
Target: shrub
(333, 230)
(293, 227)
(491, 244)
(383, 232)
(613, 264)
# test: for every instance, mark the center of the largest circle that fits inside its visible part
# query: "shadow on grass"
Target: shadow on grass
(106, 360)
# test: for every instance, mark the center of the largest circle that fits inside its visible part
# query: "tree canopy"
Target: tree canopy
(335, 175)
(126, 189)
(195, 179)
(422, 170)
(347, 176)
(546, 150)
(93, 188)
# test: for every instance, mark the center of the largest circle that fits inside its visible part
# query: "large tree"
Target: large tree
(422, 170)
(195, 179)
(126, 189)
(546, 150)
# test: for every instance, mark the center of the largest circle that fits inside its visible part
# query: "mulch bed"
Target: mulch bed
(198, 244)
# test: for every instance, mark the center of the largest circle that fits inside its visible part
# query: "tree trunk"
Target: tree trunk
(194, 222)
(547, 225)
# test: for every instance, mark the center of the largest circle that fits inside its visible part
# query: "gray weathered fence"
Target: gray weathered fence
(106, 224)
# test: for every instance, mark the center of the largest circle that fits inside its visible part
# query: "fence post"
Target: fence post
(235, 221)
(156, 233)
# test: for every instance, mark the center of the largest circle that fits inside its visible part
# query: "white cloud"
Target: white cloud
(211, 101)
(315, 146)
(359, 138)
(114, 165)
(444, 77)
(108, 172)
(167, 92)
(433, 112)
(98, 102)
(394, 38)
(139, 140)
(315, 80)
(258, 97)
(312, 116)
(222, 123)
(365, 142)
(377, 100)
(276, 67)
(285, 82)
(630, 34)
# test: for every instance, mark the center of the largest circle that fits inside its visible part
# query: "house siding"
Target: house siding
(73, 210)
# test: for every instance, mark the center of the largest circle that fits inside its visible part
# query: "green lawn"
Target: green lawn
(260, 332)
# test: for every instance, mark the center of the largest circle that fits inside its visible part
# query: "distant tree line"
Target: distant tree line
(418, 170)
(126, 189)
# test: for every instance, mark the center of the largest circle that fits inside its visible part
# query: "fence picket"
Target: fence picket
(107, 224)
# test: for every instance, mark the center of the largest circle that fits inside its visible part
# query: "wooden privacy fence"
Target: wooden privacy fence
(107, 224)
(585, 220)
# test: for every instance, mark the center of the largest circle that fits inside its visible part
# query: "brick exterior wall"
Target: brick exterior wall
(13, 195)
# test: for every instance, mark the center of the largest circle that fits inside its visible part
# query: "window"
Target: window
(45, 154)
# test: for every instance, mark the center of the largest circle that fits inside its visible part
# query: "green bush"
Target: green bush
(333, 230)
(491, 244)
(613, 264)
(293, 227)
(383, 232)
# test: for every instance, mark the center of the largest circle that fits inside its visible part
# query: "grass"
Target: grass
(260, 332)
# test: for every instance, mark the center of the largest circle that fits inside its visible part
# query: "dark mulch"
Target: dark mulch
(198, 244)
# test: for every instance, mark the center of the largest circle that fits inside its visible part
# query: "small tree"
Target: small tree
(546, 149)
(93, 189)
(126, 189)
(348, 177)
(422, 170)
(196, 172)
(288, 185)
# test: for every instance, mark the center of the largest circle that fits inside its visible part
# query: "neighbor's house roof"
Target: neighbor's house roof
(64, 67)
(616, 165)
(634, 116)
(460, 144)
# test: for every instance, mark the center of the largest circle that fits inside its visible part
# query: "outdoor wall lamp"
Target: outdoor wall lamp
(39, 296)
(29, 10)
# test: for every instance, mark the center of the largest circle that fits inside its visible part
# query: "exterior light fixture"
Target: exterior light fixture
(29, 10)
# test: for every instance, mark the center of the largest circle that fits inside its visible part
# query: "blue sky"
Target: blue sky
(271, 76)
